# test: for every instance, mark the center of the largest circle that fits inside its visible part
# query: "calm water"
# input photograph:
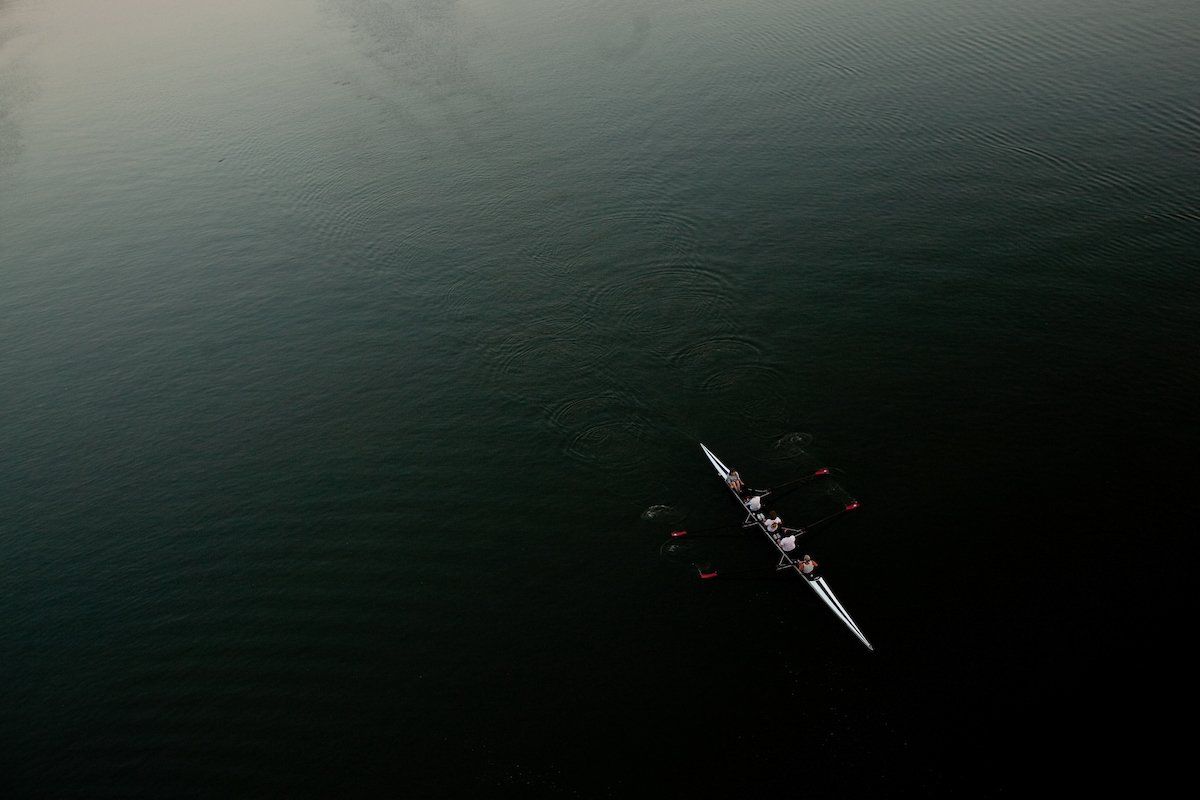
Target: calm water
(354, 357)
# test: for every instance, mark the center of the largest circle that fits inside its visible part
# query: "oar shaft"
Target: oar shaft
(853, 504)
(822, 472)
(796, 483)
(686, 532)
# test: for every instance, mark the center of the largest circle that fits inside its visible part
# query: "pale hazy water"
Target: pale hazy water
(344, 347)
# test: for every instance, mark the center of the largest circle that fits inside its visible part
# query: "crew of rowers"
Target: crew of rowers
(771, 521)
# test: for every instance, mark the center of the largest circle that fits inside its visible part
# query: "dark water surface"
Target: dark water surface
(348, 351)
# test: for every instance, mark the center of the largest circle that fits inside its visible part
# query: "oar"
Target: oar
(683, 532)
(853, 504)
(707, 574)
(804, 478)
(796, 483)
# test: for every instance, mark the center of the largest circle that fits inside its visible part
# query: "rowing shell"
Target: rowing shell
(818, 584)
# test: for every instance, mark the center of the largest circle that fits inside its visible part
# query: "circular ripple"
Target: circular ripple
(605, 430)
(613, 445)
(716, 351)
(742, 378)
(580, 412)
(657, 295)
(558, 344)
(751, 393)
(791, 444)
(789, 447)
(658, 511)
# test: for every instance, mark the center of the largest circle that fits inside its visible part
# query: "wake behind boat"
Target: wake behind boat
(786, 559)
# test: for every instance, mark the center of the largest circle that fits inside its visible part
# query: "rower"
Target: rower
(734, 480)
(788, 543)
(755, 503)
(772, 522)
(807, 565)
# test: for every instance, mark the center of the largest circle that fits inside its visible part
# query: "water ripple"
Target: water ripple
(660, 294)
(718, 349)
(604, 430)
(554, 343)
(658, 511)
(752, 393)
